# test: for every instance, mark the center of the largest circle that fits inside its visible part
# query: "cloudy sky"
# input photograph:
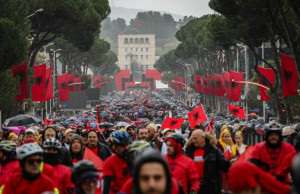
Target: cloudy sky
(182, 7)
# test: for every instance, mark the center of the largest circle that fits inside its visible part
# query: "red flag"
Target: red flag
(89, 155)
(212, 90)
(235, 86)
(197, 116)
(72, 86)
(97, 81)
(197, 83)
(236, 111)
(289, 76)
(21, 72)
(246, 155)
(172, 123)
(205, 87)
(63, 86)
(98, 114)
(48, 89)
(179, 83)
(138, 22)
(270, 75)
(78, 83)
(210, 127)
(219, 85)
(227, 86)
(105, 80)
(48, 122)
(40, 80)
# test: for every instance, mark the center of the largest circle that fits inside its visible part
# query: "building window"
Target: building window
(147, 49)
(131, 40)
(125, 40)
(142, 67)
(147, 40)
(147, 66)
(126, 49)
(146, 57)
(131, 49)
(136, 49)
(142, 40)
(142, 49)
(126, 66)
(136, 56)
(136, 40)
(142, 57)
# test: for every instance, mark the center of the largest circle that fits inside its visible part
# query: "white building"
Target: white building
(136, 50)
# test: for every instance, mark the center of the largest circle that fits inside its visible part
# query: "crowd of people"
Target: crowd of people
(124, 150)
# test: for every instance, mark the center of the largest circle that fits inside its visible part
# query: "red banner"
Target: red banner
(212, 90)
(97, 81)
(179, 83)
(197, 83)
(219, 85)
(78, 83)
(205, 86)
(48, 89)
(63, 86)
(227, 86)
(236, 87)
(21, 72)
(40, 80)
(270, 75)
(289, 76)
(72, 86)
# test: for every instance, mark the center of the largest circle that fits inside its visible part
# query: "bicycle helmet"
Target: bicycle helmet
(120, 137)
(138, 144)
(52, 143)
(8, 147)
(27, 150)
(83, 169)
(178, 138)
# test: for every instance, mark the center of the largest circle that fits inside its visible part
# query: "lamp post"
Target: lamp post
(35, 12)
(54, 73)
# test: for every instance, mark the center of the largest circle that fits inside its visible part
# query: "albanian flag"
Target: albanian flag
(197, 116)
(78, 83)
(197, 83)
(21, 72)
(38, 86)
(179, 86)
(270, 75)
(172, 123)
(227, 86)
(219, 85)
(236, 111)
(235, 86)
(48, 89)
(105, 80)
(209, 78)
(72, 81)
(289, 76)
(205, 86)
(48, 122)
(63, 86)
(97, 81)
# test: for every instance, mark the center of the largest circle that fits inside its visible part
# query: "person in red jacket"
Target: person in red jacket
(8, 160)
(182, 167)
(29, 180)
(115, 169)
(62, 173)
(270, 154)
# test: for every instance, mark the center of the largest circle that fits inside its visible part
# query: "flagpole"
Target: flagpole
(263, 56)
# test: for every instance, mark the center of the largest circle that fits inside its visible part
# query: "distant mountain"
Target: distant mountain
(127, 13)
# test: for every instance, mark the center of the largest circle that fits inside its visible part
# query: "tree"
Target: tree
(79, 24)
(14, 28)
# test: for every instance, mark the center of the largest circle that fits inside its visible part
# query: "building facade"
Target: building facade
(136, 52)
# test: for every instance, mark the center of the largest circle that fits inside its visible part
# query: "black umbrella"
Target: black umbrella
(105, 125)
(21, 120)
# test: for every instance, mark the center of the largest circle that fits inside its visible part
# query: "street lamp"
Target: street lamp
(35, 12)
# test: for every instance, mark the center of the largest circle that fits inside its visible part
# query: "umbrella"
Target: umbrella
(16, 129)
(122, 124)
(103, 125)
(136, 107)
(21, 120)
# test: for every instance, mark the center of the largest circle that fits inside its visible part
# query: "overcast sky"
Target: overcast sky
(182, 7)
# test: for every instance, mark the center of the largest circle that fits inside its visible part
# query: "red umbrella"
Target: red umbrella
(136, 107)
(85, 115)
